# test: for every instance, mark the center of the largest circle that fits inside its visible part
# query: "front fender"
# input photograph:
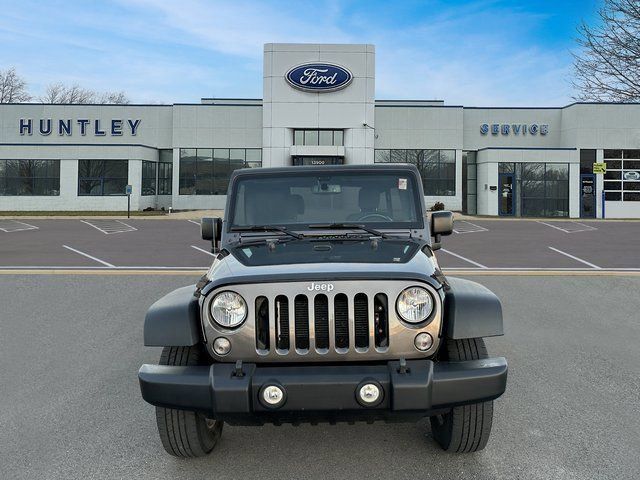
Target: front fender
(174, 320)
(471, 310)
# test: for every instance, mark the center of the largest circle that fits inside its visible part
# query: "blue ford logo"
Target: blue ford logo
(319, 77)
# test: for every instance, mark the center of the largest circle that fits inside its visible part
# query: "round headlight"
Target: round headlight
(415, 304)
(228, 309)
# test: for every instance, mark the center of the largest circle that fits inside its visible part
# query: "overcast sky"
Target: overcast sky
(474, 53)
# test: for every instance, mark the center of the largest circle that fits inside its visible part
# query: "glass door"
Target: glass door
(506, 194)
(587, 196)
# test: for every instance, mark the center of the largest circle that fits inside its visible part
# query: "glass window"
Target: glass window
(318, 137)
(221, 171)
(187, 178)
(622, 180)
(206, 171)
(631, 196)
(398, 156)
(148, 178)
(30, 177)
(437, 167)
(506, 167)
(165, 178)
(311, 137)
(587, 159)
(102, 177)
(382, 156)
(544, 189)
(325, 137)
(613, 164)
(614, 196)
(253, 157)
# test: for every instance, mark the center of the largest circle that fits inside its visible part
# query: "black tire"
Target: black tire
(183, 433)
(467, 428)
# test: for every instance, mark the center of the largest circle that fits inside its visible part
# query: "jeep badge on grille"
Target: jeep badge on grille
(325, 287)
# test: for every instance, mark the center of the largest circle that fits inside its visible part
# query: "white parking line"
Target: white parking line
(585, 228)
(203, 250)
(110, 226)
(193, 221)
(107, 264)
(576, 258)
(465, 229)
(479, 265)
(10, 226)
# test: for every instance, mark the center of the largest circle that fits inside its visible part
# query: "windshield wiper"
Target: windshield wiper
(268, 228)
(349, 226)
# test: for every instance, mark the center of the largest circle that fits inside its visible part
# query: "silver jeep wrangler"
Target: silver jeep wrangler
(324, 303)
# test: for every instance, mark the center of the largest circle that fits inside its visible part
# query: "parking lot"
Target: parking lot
(176, 245)
(71, 345)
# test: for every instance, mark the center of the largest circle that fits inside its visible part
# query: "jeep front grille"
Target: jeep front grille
(343, 323)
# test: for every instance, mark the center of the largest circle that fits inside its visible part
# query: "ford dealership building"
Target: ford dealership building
(318, 107)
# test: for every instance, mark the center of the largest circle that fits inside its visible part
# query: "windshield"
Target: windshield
(377, 199)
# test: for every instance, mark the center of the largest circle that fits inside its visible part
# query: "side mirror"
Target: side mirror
(441, 224)
(211, 229)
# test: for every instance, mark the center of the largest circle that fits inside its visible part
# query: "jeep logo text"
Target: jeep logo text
(325, 287)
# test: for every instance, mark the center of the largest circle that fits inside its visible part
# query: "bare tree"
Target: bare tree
(608, 66)
(119, 98)
(75, 94)
(13, 89)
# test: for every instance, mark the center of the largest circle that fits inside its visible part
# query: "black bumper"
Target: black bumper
(323, 392)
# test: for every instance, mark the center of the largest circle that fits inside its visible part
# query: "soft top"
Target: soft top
(377, 167)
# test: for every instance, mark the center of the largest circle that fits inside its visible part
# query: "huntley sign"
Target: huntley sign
(319, 77)
(66, 127)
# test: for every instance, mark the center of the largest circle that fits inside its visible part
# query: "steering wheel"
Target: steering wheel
(375, 215)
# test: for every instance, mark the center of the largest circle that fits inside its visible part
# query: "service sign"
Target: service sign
(319, 77)
(599, 167)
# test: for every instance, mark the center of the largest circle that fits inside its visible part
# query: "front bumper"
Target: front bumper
(323, 392)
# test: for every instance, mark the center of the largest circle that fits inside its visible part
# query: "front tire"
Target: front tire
(464, 429)
(184, 433)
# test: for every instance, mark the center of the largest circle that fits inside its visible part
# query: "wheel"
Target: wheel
(466, 428)
(183, 433)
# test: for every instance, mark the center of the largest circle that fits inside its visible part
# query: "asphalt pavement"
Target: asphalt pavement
(70, 407)
(176, 244)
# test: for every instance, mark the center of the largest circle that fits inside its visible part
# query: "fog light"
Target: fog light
(221, 346)
(273, 396)
(369, 394)
(423, 341)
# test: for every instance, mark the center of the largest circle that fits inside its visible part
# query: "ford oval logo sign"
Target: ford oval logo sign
(632, 175)
(319, 77)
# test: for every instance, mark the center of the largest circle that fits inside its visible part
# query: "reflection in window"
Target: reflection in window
(148, 178)
(102, 177)
(542, 189)
(29, 177)
(437, 167)
(165, 172)
(206, 171)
